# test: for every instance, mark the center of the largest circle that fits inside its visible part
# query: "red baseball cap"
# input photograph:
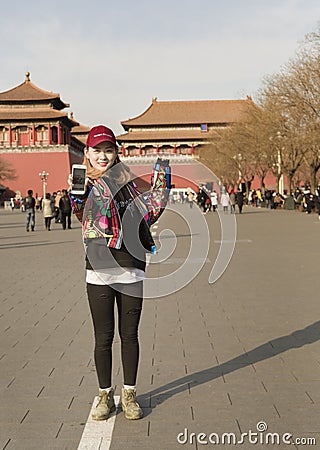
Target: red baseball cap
(99, 134)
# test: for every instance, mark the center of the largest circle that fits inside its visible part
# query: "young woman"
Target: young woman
(116, 218)
(47, 210)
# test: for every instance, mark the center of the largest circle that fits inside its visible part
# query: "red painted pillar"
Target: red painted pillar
(10, 136)
(123, 150)
(140, 150)
(33, 134)
(192, 150)
(60, 139)
(49, 134)
(175, 149)
(157, 149)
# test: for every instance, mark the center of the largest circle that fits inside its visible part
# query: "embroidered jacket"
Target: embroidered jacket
(102, 208)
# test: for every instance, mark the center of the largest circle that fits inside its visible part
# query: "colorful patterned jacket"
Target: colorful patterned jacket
(99, 211)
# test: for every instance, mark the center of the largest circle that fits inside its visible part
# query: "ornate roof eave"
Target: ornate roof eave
(29, 121)
(79, 128)
(126, 123)
(193, 112)
(27, 92)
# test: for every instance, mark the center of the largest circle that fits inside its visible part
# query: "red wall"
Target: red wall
(29, 165)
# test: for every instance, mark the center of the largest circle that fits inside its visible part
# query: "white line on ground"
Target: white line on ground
(97, 434)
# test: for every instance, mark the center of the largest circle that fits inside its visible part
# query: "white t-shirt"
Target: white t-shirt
(115, 275)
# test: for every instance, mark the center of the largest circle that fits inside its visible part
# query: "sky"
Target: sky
(109, 59)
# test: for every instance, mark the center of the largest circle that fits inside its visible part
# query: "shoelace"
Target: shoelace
(103, 397)
(130, 397)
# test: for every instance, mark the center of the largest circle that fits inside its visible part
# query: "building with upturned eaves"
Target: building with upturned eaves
(178, 130)
(36, 136)
(178, 127)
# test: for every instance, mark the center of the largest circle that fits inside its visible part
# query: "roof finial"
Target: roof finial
(154, 99)
(27, 76)
(71, 115)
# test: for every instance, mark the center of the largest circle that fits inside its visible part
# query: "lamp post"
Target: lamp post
(280, 174)
(44, 176)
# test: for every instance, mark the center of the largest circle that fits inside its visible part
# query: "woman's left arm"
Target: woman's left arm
(156, 199)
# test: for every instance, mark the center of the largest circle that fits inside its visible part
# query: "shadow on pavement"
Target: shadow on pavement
(31, 244)
(297, 339)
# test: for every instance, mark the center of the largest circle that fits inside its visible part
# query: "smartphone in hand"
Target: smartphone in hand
(79, 173)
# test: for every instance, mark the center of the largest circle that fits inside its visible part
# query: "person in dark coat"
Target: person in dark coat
(65, 210)
(239, 200)
(29, 204)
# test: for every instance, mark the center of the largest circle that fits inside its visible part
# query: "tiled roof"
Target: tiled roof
(27, 91)
(165, 135)
(80, 129)
(80, 132)
(33, 114)
(189, 112)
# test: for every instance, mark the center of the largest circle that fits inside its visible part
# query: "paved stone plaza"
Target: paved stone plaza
(215, 358)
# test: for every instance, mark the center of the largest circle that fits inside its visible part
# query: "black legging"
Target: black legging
(47, 222)
(101, 301)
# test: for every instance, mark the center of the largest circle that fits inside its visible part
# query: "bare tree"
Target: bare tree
(7, 172)
(295, 91)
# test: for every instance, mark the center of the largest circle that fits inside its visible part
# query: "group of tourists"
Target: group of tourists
(301, 199)
(56, 206)
(210, 200)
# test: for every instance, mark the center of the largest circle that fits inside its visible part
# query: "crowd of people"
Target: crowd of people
(210, 200)
(301, 199)
(55, 206)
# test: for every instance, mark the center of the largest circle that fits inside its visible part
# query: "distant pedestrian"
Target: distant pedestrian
(268, 197)
(225, 201)
(259, 198)
(190, 198)
(232, 198)
(38, 202)
(214, 200)
(29, 204)
(57, 212)
(47, 211)
(65, 210)
(203, 198)
(239, 200)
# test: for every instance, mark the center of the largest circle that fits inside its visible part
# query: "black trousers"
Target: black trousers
(64, 217)
(129, 304)
(47, 222)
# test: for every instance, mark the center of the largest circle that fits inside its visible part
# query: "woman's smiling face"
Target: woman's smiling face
(101, 156)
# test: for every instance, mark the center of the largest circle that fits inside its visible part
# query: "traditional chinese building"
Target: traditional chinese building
(178, 127)
(36, 136)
